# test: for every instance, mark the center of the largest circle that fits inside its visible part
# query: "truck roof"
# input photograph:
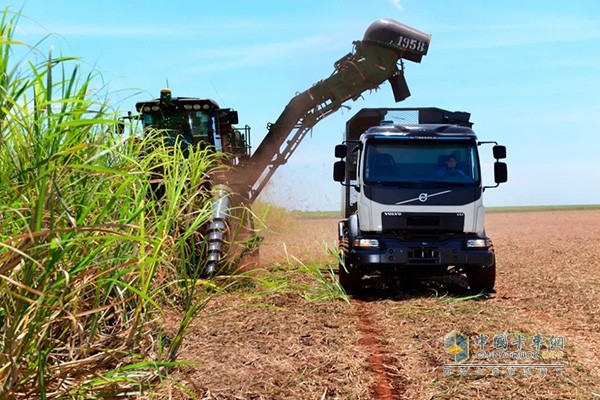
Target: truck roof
(425, 121)
(420, 130)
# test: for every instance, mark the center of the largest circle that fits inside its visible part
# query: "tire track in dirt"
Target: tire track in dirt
(388, 381)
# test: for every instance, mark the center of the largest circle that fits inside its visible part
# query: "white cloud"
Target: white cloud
(213, 28)
(397, 4)
(518, 33)
(243, 56)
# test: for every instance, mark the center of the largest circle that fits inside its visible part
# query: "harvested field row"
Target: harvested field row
(255, 344)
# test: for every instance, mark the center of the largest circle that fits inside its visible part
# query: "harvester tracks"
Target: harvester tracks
(389, 381)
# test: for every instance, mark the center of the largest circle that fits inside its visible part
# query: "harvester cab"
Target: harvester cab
(196, 122)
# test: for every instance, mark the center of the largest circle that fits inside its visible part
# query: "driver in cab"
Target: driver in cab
(449, 168)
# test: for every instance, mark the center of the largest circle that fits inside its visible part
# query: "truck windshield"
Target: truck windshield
(421, 162)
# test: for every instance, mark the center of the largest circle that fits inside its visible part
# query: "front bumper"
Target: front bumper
(394, 253)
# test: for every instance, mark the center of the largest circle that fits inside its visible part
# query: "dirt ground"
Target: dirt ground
(389, 344)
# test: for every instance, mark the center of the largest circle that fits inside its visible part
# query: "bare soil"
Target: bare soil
(252, 343)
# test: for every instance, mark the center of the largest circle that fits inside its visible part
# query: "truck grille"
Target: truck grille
(423, 256)
(393, 221)
(422, 220)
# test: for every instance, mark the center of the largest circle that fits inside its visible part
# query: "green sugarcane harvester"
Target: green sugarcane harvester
(200, 122)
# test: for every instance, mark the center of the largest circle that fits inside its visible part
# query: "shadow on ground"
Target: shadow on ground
(401, 288)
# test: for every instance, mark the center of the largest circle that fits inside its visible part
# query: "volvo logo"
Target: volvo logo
(423, 197)
(392, 214)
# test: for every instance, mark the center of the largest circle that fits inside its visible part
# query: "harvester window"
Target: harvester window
(201, 127)
(148, 120)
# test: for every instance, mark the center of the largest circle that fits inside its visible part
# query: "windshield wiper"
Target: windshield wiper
(390, 183)
(447, 183)
(462, 184)
(427, 183)
(420, 184)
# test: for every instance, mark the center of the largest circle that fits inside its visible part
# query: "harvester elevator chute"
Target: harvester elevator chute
(373, 61)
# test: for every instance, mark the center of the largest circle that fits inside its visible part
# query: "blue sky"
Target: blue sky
(527, 71)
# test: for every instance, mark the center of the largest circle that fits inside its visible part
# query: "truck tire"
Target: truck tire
(350, 279)
(482, 278)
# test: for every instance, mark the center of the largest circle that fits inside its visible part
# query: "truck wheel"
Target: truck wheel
(349, 279)
(482, 278)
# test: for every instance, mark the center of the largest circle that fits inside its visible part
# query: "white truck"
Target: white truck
(412, 197)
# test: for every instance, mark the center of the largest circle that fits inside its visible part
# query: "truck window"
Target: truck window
(411, 161)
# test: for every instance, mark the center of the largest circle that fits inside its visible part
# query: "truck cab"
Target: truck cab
(413, 197)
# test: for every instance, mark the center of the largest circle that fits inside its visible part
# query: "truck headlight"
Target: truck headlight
(366, 243)
(478, 244)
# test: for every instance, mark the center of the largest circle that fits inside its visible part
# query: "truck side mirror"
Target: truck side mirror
(341, 150)
(339, 171)
(499, 152)
(500, 172)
